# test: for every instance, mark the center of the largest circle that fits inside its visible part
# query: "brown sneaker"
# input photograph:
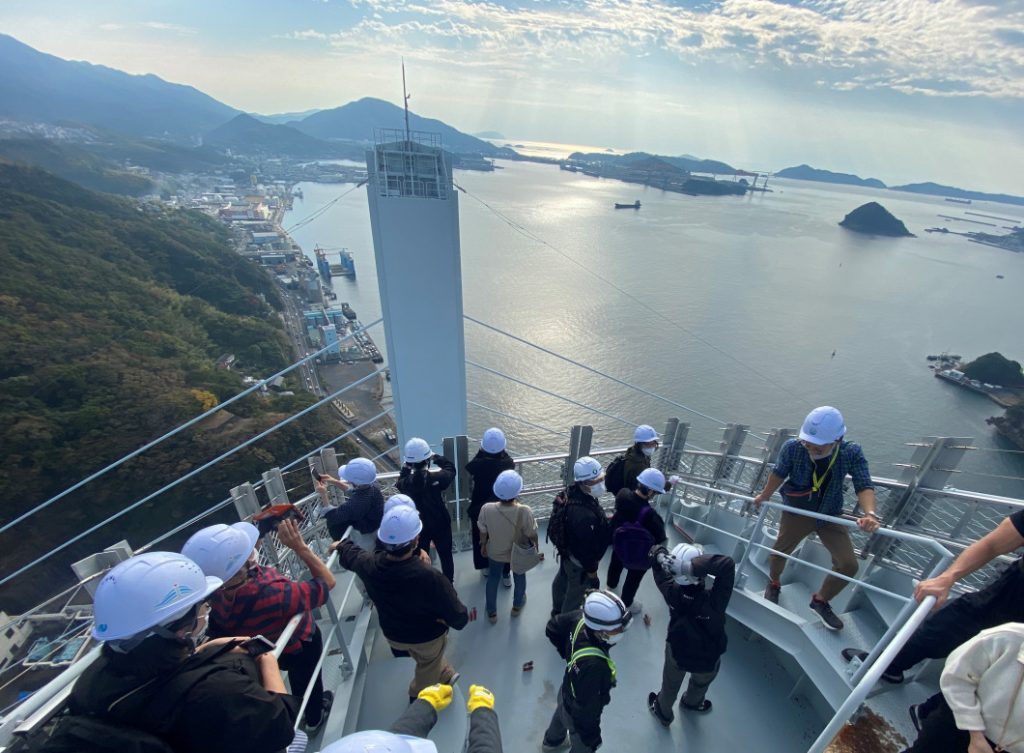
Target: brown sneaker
(772, 591)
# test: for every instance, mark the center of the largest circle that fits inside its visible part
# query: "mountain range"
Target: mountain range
(39, 88)
(683, 162)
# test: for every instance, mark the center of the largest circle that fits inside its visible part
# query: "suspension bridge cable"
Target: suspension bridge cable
(149, 445)
(593, 370)
(516, 418)
(546, 392)
(190, 474)
(318, 212)
(636, 299)
(224, 503)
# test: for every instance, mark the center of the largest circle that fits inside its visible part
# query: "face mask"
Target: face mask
(648, 451)
(597, 489)
(612, 638)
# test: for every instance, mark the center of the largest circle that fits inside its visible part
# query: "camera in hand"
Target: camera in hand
(269, 519)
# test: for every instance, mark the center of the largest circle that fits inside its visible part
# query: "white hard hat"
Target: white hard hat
(378, 741)
(359, 471)
(605, 612)
(645, 433)
(147, 590)
(586, 469)
(398, 500)
(508, 485)
(399, 526)
(652, 478)
(493, 441)
(416, 451)
(222, 550)
(682, 569)
(823, 425)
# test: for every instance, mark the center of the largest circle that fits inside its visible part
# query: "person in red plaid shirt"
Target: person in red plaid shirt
(257, 600)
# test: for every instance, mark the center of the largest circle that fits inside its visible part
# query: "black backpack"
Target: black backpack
(73, 733)
(556, 525)
(615, 474)
(85, 733)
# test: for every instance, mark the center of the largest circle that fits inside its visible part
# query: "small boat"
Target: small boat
(999, 277)
(634, 205)
(347, 311)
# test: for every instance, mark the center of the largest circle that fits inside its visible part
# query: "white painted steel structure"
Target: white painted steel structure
(414, 215)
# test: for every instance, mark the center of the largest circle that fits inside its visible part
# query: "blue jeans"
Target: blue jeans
(494, 569)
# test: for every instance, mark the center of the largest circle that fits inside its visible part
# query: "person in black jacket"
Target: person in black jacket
(415, 603)
(587, 537)
(632, 506)
(426, 488)
(364, 507)
(583, 639)
(485, 467)
(638, 457)
(420, 717)
(696, 629)
(156, 673)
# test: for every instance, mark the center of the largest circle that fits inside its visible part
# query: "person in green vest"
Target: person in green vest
(583, 639)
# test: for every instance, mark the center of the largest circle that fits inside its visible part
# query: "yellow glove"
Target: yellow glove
(438, 696)
(479, 697)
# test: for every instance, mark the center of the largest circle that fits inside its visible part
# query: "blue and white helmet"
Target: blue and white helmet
(155, 588)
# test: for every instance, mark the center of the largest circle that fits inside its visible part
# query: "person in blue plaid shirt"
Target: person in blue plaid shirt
(811, 471)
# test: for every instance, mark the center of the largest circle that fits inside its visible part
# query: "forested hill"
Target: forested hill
(111, 319)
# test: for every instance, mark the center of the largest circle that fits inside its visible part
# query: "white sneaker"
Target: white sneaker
(506, 580)
(636, 607)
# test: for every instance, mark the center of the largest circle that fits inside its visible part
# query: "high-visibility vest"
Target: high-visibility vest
(577, 654)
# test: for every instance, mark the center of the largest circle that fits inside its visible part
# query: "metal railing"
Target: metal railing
(925, 521)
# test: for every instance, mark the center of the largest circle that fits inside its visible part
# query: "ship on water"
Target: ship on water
(783, 686)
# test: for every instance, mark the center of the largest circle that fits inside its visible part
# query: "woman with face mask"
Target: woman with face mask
(638, 458)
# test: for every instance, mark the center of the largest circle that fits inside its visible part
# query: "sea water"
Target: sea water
(731, 306)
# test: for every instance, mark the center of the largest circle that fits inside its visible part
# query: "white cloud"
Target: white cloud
(173, 28)
(950, 48)
(111, 27)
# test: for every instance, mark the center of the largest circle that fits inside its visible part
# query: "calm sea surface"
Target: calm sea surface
(731, 306)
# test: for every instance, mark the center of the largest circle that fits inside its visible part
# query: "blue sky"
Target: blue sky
(901, 90)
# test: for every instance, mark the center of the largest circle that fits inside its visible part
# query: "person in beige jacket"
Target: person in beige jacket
(503, 524)
(982, 705)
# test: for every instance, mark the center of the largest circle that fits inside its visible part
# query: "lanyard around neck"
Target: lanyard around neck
(816, 482)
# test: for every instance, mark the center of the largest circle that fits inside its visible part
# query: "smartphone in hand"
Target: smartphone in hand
(258, 645)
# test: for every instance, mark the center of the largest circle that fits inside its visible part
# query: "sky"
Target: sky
(900, 90)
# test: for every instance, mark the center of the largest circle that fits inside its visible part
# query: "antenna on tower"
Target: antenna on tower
(405, 102)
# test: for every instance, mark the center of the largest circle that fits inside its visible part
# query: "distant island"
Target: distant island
(806, 172)
(874, 219)
(818, 175)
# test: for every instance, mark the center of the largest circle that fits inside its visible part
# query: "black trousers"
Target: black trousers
(479, 561)
(963, 618)
(441, 536)
(939, 733)
(633, 578)
(300, 667)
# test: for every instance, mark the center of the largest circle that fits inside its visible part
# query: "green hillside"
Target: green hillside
(75, 164)
(111, 319)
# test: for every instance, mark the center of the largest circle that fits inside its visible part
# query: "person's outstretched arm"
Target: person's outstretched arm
(484, 731)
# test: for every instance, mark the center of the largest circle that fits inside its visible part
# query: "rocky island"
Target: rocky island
(874, 219)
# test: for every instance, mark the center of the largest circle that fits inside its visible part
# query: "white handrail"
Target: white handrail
(860, 691)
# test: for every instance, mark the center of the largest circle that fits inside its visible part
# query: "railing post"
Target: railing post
(672, 449)
(731, 444)
(934, 460)
(579, 445)
(246, 503)
(741, 574)
(273, 482)
(456, 449)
